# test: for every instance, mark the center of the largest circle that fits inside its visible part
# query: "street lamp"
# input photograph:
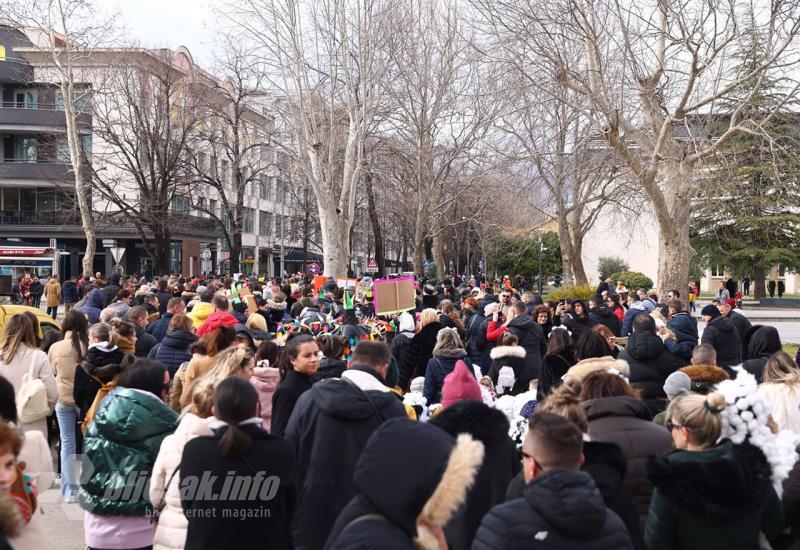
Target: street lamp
(541, 250)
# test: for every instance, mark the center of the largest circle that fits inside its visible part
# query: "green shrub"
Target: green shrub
(584, 292)
(781, 288)
(633, 280)
(432, 274)
(771, 288)
(608, 265)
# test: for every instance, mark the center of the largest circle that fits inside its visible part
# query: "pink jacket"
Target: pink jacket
(265, 381)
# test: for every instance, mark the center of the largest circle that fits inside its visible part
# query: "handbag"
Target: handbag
(32, 398)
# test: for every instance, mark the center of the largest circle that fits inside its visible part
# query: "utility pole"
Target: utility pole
(469, 266)
(541, 250)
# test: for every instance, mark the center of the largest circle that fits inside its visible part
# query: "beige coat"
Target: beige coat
(64, 360)
(52, 293)
(198, 366)
(36, 361)
(172, 524)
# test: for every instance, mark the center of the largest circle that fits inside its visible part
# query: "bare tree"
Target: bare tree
(145, 117)
(653, 72)
(580, 178)
(441, 108)
(231, 150)
(325, 57)
(70, 31)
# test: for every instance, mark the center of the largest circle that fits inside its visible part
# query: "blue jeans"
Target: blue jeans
(67, 416)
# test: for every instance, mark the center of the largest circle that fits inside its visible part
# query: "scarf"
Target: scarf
(126, 344)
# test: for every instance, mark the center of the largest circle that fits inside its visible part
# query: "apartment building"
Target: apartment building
(39, 222)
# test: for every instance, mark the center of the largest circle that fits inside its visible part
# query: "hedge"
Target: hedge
(633, 280)
(584, 292)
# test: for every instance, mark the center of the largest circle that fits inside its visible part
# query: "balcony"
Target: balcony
(34, 218)
(26, 170)
(14, 115)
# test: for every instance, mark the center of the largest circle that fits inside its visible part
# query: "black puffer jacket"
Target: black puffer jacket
(606, 464)
(500, 464)
(396, 474)
(99, 367)
(173, 349)
(761, 342)
(416, 362)
(554, 367)
(743, 326)
(650, 362)
(721, 334)
(626, 421)
(329, 427)
(602, 315)
(401, 349)
(559, 509)
(531, 337)
(514, 357)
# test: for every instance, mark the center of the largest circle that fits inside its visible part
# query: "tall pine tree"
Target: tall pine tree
(747, 213)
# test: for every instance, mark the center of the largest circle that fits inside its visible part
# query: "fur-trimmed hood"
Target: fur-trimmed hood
(430, 475)
(584, 368)
(277, 306)
(500, 352)
(104, 363)
(704, 377)
(726, 482)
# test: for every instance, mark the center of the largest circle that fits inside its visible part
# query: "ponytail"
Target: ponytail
(234, 442)
(235, 401)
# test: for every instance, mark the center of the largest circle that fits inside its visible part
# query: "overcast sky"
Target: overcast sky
(171, 23)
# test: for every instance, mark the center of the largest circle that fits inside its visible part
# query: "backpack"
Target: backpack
(105, 388)
(32, 398)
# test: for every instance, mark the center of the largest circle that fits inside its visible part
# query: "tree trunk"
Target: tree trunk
(759, 282)
(236, 251)
(161, 252)
(377, 232)
(565, 243)
(675, 253)
(419, 238)
(438, 252)
(578, 271)
(82, 189)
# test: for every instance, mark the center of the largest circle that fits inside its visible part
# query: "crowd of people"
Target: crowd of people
(245, 412)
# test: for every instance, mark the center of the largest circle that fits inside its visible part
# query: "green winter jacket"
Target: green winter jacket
(719, 499)
(121, 445)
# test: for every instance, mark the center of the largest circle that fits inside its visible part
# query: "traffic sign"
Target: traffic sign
(206, 254)
(116, 253)
(372, 265)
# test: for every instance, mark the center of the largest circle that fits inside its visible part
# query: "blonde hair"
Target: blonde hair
(203, 398)
(19, 331)
(565, 401)
(256, 321)
(427, 317)
(781, 369)
(181, 321)
(700, 414)
(447, 339)
(226, 363)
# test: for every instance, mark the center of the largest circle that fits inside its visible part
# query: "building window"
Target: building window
(226, 169)
(24, 149)
(249, 220)
(26, 99)
(180, 205)
(263, 186)
(62, 150)
(278, 232)
(717, 270)
(279, 190)
(86, 145)
(264, 223)
(212, 206)
(781, 271)
(2, 53)
(10, 198)
(201, 204)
